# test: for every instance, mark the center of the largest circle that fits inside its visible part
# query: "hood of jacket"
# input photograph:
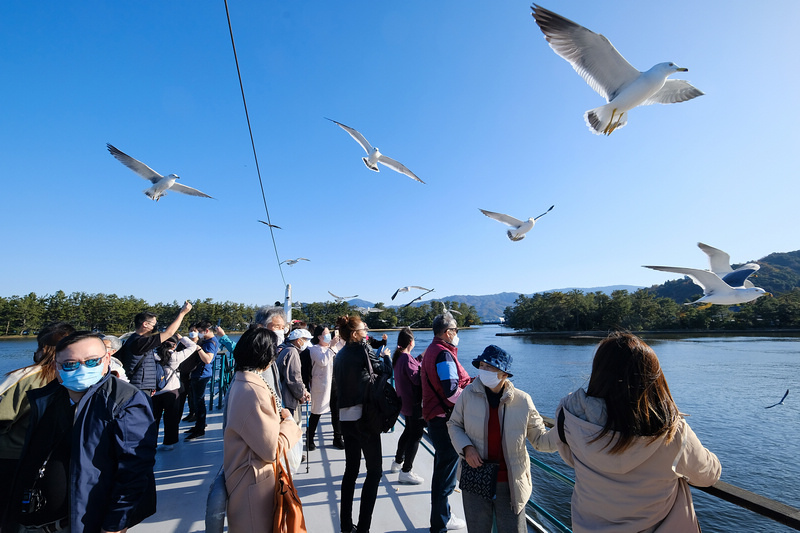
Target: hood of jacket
(584, 418)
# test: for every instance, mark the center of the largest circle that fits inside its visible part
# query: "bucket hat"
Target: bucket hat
(495, 356)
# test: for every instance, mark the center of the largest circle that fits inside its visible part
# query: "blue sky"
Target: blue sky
(467, 94)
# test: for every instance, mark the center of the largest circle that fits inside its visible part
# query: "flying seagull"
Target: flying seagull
(728, 290)
(270, 225)
(375, 156)
(408, 288)
(780, 402)
(340, 299)
(520, 228)
(292, 262)
(160, 183)
(365, 310)
(607, 72)
(720, 262)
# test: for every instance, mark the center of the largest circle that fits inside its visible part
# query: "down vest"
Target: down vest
(468, 425)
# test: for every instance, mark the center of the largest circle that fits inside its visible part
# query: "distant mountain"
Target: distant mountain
(779, 274)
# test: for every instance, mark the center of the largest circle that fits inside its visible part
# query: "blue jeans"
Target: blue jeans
(356, 442)
(443, 481)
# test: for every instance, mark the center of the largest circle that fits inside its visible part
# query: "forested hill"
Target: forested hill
(779, 274)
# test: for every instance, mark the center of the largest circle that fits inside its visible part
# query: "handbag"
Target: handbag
(288, 512)
(481, 481)
(381, 404)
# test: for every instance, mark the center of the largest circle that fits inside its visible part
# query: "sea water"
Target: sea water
(722, 382)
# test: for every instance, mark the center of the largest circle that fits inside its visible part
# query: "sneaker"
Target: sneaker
(189, 418)
(166, 448)
(195, 434)
(455, 523)
(338, 443)
(311, 446)
(410, 478)
(395, 467)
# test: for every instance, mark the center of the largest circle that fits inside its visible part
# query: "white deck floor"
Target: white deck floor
(184, 475)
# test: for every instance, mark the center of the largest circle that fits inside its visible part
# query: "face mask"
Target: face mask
(279, 333)
(192, 334)
(489, 378)
(82, 378)
(306, 345)
(455, 340)
(326, 338)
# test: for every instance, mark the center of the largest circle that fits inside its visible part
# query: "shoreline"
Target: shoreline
(769, 332)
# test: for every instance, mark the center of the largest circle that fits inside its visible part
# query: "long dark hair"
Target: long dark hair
(627, 375)
(404, 339)
(347, 325)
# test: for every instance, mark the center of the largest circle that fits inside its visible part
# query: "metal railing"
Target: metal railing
(221, 377)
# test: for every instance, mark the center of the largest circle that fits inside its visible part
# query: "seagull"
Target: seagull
(780, 402)
(340, 299)
(729, 290)
(365, 310)
(375, 156)
(418, 298)
(520, 227)
(408, 288)
(160, 183)
(607, 72)
(270, 225)
(292, 262)
(720, 262)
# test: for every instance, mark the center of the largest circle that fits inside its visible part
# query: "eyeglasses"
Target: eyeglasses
(453, 329)
(71, 366)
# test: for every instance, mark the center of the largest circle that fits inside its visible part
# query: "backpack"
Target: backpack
(381, 405)
(161, 376)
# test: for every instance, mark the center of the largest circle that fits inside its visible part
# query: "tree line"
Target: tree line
(644, 310)
(114, 314)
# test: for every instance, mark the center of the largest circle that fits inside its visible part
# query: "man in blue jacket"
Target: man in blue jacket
(200, 376)
(88, 458)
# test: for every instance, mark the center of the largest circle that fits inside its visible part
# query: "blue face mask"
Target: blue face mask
(82, 378)
(327, 338)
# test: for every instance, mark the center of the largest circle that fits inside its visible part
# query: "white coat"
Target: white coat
(321, 377)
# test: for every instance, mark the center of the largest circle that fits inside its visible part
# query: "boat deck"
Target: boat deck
(184, 475)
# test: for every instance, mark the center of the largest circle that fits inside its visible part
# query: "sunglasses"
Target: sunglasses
(72, 366)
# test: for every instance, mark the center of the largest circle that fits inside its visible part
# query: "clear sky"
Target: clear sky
(467, 94)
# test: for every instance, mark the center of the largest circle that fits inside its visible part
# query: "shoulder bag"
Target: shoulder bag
(288, 512)
(381, 404)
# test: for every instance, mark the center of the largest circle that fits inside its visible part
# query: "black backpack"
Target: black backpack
(381, 405)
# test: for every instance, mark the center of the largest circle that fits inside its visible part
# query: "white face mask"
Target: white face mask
(192, 334)
(455, 340)
(489, 378)
(279, 333)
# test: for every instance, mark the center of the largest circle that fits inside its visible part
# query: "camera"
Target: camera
(32, 501)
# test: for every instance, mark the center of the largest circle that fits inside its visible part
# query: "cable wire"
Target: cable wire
(253, 143)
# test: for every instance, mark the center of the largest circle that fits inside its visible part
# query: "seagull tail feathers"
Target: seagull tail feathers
(515, 237)
(605, 119)
(366, 162)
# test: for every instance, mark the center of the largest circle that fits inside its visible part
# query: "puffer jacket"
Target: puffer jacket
(351, 373)
(640, 489)
(468, 425)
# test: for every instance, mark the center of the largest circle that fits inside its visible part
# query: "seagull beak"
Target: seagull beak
(681, 69)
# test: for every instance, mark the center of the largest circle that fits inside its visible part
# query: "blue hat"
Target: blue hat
(495, 356)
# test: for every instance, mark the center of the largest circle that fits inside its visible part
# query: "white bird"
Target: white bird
(340, 299)
(607, 72)
(720, 262)
(270, 225)
(520, 228)
(292, 262)
(160, 183)
(408, 288)
(375, 156)
(780, 402)
(716, 290)
(365, 310)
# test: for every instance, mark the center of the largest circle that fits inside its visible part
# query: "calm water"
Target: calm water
(723, 383)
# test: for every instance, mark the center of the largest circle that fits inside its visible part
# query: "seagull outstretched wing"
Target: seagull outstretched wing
(134, 164)
(360, 139)
(780, 402)
(505, 219)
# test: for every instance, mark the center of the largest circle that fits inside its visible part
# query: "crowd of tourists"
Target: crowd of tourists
(79, 427)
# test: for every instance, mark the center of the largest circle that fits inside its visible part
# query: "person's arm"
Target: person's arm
(205, 356)
(135, 435)
(458, 436)
(447, 372)
(224, 340)
(536, 432)
(700, 467)
(294, 376)
(172, 329)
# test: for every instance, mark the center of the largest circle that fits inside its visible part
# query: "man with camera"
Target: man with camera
(87, 463)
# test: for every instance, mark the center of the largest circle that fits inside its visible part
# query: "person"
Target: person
(113, 345)
(15, 408)
(351, 374)
(171, 354)
(201, 375)
(138, 352)
(293, 392)
(409, 388)
(337, 343)
(632, 451)
(184, 375)
(255, 426)
(443, 379)
(322, 355)
(274, 319)
(88, 459)
(490, 422)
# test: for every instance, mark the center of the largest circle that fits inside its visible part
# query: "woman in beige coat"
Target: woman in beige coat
(255, 424)
(490, 422)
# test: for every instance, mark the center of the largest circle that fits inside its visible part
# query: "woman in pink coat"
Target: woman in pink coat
(255, 425)
(632, 451)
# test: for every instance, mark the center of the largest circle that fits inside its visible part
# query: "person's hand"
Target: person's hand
(472, 457)
(285, 414)
(306, 397)
(220, 331)
(186, 307)
(178, 335)
(384, 336)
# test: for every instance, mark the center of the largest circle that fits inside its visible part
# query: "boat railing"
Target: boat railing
(221, 377)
